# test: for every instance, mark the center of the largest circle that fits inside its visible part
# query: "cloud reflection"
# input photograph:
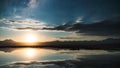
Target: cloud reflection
(61, 58)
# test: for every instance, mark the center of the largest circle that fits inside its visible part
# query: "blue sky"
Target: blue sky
(57, 11)
(49, 13)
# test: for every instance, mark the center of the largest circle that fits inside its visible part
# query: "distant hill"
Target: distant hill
(104, 44)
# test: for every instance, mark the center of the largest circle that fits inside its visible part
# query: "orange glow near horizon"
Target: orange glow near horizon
(31, 37)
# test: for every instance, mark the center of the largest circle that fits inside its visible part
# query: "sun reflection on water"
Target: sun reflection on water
(30, 52)
(26, 53)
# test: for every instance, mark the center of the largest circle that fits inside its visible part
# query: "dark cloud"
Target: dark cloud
(27, 28)
(102, 28)
(71, 37)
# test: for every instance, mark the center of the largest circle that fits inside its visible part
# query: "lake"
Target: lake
(58, 58)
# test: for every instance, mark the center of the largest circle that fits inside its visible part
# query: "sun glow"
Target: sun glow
(30, 52)
(30, 38)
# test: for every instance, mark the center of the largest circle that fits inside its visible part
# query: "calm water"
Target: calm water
(51, 58)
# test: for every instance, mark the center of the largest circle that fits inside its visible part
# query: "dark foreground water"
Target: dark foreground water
(54, 58)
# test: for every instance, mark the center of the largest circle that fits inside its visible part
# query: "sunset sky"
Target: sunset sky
(33, 19)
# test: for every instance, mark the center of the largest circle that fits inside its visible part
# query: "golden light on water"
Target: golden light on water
(26, 53)
(30, 52)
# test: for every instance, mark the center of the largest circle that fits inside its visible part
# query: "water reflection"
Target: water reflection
(49, 58)
(9, 55)
(30, 52)
(25, 54)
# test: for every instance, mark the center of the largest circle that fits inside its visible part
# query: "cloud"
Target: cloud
(32, 3)
(102, 28)
(79, 20)
(25, 24)
(71, 37)
(6, 21)
(27, 28)
(26, 21)
(17, 17)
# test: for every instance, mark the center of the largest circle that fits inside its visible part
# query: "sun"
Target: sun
(30, 38)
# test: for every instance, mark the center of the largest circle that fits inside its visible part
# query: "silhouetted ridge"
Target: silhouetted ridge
(104, 44)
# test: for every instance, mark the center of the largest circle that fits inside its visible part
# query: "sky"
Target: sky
(41, 18)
